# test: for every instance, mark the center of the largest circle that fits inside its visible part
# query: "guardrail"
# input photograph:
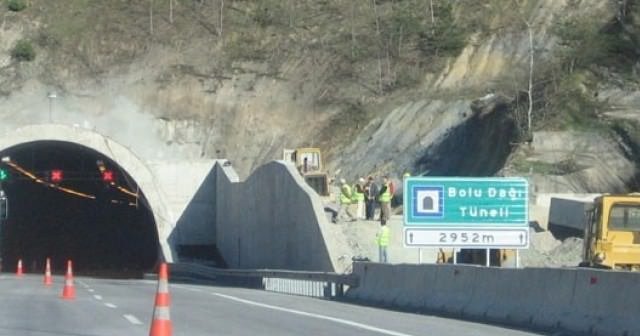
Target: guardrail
(306, 283)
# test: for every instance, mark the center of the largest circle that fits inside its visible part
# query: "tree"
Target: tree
(151, 17)
(221, 16)
(377, 17)
(527, 22)
(446, 37)
(433, 18)
(171, 11)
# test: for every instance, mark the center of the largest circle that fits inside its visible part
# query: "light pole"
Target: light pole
(51, 96)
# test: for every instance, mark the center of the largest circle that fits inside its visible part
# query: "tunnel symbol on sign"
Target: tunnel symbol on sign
(429, 201)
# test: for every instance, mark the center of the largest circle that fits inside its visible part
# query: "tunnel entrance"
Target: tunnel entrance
(67, 201)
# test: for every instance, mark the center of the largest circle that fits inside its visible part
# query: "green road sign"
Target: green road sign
(466, 202)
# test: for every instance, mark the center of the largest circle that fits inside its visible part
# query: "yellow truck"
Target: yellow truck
(612, 233)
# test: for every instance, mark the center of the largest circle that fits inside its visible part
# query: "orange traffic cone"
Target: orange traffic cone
(161, 324)
(48, 280)
(19, 272)
(69, 291)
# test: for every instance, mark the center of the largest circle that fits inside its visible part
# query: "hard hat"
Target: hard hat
(361, 180)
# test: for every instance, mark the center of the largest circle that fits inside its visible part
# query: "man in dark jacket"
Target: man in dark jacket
(371, 193)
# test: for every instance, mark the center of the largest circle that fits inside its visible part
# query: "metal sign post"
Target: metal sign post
(488, 258)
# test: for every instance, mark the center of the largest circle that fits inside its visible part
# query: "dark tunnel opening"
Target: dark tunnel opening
(91, 216)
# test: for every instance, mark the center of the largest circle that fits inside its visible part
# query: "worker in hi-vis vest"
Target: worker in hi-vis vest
(382, 239)
(358, 198)
(345, 201)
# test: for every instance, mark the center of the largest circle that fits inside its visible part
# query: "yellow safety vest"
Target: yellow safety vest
(356, 197)
(382, 238)
(386, 196)
(345, 194)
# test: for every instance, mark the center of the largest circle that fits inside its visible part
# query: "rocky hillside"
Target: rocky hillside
(543, 88)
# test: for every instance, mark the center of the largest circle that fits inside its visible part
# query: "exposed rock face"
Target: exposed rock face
(479, 146)
(575, 162)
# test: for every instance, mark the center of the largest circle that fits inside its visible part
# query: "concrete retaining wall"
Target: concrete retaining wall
(275, 220)
(590, 302)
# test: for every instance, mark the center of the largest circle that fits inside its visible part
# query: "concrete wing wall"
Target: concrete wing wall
(275, 220)
(190, 193)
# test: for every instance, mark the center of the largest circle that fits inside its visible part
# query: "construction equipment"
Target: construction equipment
(308, 161)
(498, 257)
(612, 233)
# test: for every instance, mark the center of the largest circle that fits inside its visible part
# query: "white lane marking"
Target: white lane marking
(83, 284)
(90, 290)
(110, 305)
(317, 316)
(98, 297)
(132, 319)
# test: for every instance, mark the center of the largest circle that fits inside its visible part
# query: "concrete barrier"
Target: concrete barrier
(452, 289)
(485, 293)
(417, 289)
(605, 303)
(551, 294)
(583, 301)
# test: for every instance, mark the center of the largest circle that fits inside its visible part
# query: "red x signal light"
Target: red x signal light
(56, 176)
(108, 176)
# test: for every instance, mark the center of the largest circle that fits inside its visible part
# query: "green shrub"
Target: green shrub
(564, 167)
(16, 5)
(446, 38)
(23, 51)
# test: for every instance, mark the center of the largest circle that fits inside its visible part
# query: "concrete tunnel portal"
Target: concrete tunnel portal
(68, 200)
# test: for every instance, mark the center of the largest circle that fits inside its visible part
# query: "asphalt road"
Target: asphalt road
(121, 307)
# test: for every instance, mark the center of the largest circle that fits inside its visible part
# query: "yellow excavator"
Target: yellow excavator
(308, 161)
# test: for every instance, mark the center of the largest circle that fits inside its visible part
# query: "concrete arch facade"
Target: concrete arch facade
(120, 154)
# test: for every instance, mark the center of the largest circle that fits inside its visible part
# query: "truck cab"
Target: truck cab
(612, 233)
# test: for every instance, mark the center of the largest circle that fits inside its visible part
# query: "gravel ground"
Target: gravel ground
(546, 251)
